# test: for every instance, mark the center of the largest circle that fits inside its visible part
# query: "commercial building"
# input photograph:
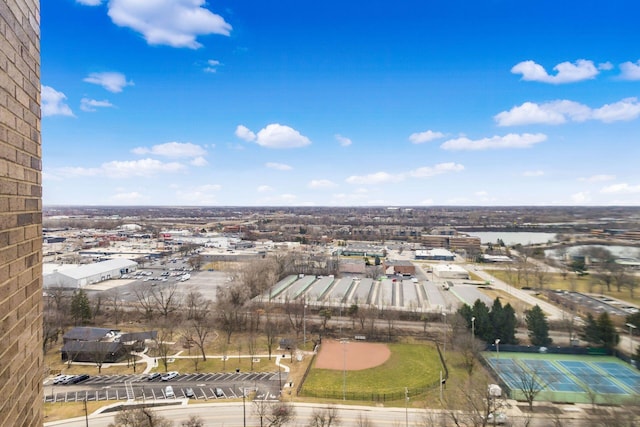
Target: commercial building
(450, 271)
(21, 360)
(79, 276)
(437, 254)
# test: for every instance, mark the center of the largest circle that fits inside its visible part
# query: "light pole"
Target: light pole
(631, 328)
(444, 335)
(497, 342)
(304, 323)
(473, 328)
(344, 371)
(244, 409)
(406, 407)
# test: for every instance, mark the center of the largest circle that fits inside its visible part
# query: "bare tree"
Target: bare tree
(280, 413)
(140, 417)
(251, 347)
(115, 302)
(363, 421)
(271, 331)
(193, 421)
(530, 385)
(196, 304)
(146, 302)
(166, 298)
(325, 417)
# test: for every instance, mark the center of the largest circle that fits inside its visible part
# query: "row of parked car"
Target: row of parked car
(70, 379)
(163, 377)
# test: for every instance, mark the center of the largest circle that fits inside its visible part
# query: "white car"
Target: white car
(500, 418)
(169, 376)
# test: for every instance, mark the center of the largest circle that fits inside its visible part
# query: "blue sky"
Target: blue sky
(338, 103)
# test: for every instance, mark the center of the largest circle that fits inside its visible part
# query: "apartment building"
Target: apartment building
(21, 360)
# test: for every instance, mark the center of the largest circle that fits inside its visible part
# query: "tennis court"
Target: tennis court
(566, 378)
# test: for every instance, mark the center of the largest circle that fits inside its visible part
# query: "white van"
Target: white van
(168, 392)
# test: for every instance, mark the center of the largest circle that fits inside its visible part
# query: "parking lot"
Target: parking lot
(204, 386)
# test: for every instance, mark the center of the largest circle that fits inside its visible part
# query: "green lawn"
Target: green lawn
(414, 366)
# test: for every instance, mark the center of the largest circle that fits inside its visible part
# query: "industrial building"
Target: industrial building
(79, 276)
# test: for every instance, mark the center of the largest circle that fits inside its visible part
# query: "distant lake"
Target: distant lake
(511, 238)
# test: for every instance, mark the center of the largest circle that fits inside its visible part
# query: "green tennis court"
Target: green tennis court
(566, 378)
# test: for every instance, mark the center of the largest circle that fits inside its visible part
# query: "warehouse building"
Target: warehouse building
(79, 276)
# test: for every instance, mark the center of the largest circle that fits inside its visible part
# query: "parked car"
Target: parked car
(497, 418)
(152, 376)
(59, 379)
(169, 376)
(79, 378)
(168, 392)
(189, 393)
(218, 392)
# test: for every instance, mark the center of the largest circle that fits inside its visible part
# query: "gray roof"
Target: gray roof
(139, 336)
(86, 334)
(87, 270)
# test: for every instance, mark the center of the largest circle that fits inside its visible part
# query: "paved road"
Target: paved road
(238, 414)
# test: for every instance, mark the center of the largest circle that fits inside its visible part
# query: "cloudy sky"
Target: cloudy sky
(340, 103)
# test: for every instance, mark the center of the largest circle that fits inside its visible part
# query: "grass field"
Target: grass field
(414, 366)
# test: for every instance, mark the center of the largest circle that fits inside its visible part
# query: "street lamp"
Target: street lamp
(406, 406)
(497, 342)
(344, 371)
(304, 323)
(631, 328)
(444, 341)
(473, 328)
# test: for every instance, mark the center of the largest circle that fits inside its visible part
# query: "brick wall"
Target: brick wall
(21, 360)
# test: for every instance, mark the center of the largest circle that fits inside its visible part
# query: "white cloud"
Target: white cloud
(201, 195)
(264, 189)
(426, 136)
(212, 65)
(550, 113)
(561, 111)
(621, 188)
(627, 109)
(428, 171)
(426, 202)
(124, 169)
(273, 136)
(630, 70)
(199, 161)
(91, 105)
(175, 23)
(245, 134)
(598, 178)
(53, 103)
(89, 2)
(279, 136)
(512, 140)
(567, 72)
(317, 184)
(172, 150)
(423, 172)
(343, 140)
(112, 81)
(581, 197)
(605, 66)
(375, 178)
(278, 166)
(533, 173)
